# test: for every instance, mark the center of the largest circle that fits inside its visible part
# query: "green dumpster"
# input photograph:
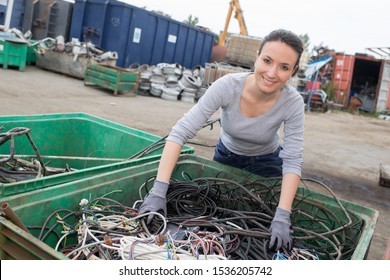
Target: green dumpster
(123, 186)
(13, 52)
(87, 144)
(31, 56)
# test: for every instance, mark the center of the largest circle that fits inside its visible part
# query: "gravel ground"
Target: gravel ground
(341, 149)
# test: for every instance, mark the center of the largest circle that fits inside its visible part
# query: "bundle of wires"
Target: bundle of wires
(207, 218)
(97, 227)
(105, 229)
(243, 213)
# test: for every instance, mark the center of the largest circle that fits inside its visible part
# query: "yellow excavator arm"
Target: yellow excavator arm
(234, 6)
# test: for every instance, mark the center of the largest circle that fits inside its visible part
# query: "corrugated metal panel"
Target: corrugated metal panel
(342, 77)
(383, 102)
(388, 100)
(139, 36)
(47, 18)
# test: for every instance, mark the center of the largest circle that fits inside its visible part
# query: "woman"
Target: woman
(253, 108)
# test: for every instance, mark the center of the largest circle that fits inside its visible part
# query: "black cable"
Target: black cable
(234, 214)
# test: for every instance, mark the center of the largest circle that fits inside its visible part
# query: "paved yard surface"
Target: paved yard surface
(342, 150)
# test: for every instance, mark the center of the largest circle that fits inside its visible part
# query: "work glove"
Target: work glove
(280, 230)
(155, 200)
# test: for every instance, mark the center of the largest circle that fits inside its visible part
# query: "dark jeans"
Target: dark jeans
(269, 165)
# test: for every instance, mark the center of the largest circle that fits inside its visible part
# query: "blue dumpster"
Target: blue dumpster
(139, 36)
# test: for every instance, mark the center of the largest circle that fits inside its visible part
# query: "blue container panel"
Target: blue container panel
(160, 43)
(140, 49)
(207, 45)
(199, 47)
(93, 25)
(189, 50)
(88, 21)
(116, 28)
(76, 25)
(171, 42)
(181, 44)
(148, 24)
(16, 16)
(3, 10)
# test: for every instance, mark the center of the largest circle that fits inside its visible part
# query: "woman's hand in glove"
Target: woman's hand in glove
(281, 230)
(155, 200)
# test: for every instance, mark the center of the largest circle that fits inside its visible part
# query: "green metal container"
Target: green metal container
(89, 144)
(123, 185)
(13, 53)
(31, 57)
(113, 78)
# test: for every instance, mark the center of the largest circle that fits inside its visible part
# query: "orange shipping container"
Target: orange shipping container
(363, 77)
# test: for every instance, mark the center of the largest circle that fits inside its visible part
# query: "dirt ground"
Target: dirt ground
(341, 149)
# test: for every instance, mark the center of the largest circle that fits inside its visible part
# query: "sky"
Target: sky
(343, 25)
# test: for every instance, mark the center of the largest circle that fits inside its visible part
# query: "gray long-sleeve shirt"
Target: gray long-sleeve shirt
(250, 136)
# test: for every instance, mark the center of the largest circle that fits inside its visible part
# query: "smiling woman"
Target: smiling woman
(253, 107)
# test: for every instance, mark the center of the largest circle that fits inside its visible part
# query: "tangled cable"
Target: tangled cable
(243, 212)
(207, 218)
(19, 169)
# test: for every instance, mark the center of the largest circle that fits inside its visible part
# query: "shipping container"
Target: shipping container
(139, 36)
(47, 18)
(363, 77)
(11, 13)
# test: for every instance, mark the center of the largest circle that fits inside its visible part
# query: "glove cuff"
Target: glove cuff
(282, 215)
(160, 188)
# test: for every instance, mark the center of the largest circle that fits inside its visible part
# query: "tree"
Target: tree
(306, 41)
(192, 20)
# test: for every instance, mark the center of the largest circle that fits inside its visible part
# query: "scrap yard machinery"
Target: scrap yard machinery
(234, 6)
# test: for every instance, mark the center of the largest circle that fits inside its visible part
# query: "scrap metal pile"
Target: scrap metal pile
(172, 82)
(207, 219)
(58, 44)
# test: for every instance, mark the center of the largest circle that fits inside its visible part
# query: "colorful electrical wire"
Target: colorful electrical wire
(207, 219)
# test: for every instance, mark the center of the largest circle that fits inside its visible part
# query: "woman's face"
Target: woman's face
(274, 66)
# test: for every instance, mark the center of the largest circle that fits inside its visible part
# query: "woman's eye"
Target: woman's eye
(266, 60)
(285, 68)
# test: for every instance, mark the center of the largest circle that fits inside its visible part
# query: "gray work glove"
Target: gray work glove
(280, 230)
(155, 200)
